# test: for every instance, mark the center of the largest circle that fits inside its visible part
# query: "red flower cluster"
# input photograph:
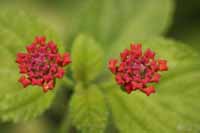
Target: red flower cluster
(42, 64)
(137, 69)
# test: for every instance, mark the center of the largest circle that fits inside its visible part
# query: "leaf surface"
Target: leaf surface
(18, 29)
(87, 59)
(174, 107)
(88, 110)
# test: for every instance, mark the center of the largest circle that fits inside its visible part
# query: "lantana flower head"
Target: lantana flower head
(136, 70)
(41, 64)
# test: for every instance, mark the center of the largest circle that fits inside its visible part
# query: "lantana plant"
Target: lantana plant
(42, 64)
(136, 69)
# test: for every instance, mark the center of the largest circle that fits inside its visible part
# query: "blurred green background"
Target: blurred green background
(185, 27)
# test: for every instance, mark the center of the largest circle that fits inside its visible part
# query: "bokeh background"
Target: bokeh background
(185, 27)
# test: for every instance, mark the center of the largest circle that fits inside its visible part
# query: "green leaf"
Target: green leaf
(110, 21)
(87, 59)
(175, 106)
(88, 110)
(17, 29)
(177, 53)
(153, 19)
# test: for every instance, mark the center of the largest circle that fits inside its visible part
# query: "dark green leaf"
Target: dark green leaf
(110, 21)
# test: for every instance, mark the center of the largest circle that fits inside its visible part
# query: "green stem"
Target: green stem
(66, 124)
(68, 82)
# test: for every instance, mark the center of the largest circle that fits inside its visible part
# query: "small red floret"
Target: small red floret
(112, 65)
(136, 69)
(25, 82)
(149, 90)
(41, 64)
(162, 65)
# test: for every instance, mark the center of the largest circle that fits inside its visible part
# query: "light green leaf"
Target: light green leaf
(110, 21)
(87, 59)
(18, 29)
(174, 108)
(177, 53)
(88, 110)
